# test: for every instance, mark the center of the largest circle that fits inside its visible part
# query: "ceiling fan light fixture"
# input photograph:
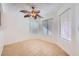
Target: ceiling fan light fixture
(31, 13)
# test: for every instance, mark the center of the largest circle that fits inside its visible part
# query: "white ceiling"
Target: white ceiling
(45, 8)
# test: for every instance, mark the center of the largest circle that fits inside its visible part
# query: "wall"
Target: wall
(70, 46)
(16, 28)
(77, 29)
(1, 41)
(1, 33)
(15, 25)
(54, 33)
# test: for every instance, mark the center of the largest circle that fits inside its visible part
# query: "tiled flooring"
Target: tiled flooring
(33, 47)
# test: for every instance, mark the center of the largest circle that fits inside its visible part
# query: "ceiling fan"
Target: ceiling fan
(33, 13)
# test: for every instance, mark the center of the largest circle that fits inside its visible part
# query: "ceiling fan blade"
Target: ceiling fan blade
(37, 11)
(24, 11)
(33, 7)
(40, 16)
(26, 16)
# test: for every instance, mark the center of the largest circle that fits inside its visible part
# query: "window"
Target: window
(47, 26)
(34, 27)
(65, 24)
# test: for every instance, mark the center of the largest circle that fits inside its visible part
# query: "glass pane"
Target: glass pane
(34, 27)
(66, 25)
(47, 26)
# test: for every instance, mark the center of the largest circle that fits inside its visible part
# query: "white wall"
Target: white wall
(77, 29)
(15, 25)
(1, 41)
(53, 16)
(71, 47)
(1, 33)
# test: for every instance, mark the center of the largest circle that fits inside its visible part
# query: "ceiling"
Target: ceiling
(44, 8)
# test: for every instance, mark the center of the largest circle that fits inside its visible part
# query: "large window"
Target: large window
(65, 24)
(47, 26)
(41, 27)
(34, 27)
